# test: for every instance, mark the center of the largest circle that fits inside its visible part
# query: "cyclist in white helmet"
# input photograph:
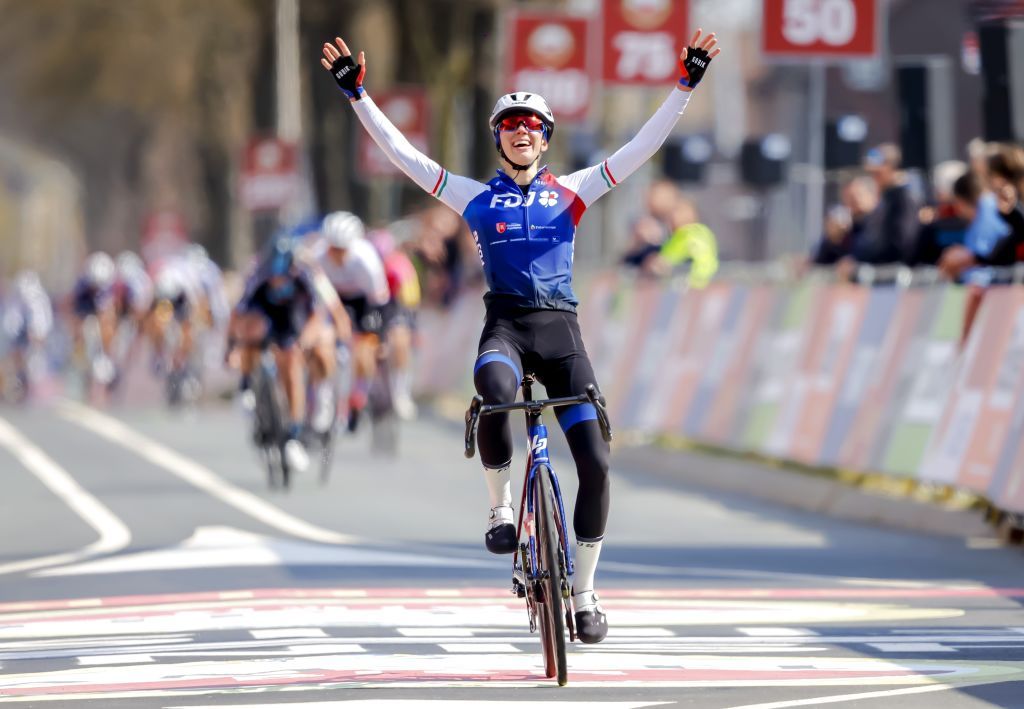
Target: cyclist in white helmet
(524, 223)
(177, 298)
(355, 272)
(26, 321)
(92, 301)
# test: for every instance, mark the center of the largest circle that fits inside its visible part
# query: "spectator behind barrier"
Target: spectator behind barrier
(662, 199)
(1006, 180)
(844, 223)
(691, 242)
(985, 228)
(890, 229)
(644, 246)
(941, 225)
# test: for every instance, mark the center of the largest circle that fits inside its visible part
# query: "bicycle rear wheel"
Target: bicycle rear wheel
(552, 623)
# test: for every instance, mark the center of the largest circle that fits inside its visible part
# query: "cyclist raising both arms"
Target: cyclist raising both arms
(524, 222)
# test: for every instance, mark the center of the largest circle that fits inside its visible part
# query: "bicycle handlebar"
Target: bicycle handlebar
(477, 408)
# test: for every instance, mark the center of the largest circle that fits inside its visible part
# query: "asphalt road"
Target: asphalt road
(144, 563)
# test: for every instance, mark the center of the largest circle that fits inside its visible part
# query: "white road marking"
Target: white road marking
(278, 633)
(198, 475)
(775, 632)
(95, 660)
(841, 697)
(224, 547)
(911, 647)
(477, 649)
(433, 633)
(437, 704)
(218, 547)
(113, 534)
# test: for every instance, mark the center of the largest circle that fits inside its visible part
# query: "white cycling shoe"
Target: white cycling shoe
(295, 455)
(591, 622)
(501, 532)
(323, 410)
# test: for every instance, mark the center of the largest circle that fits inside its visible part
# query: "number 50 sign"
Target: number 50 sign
(842, 29)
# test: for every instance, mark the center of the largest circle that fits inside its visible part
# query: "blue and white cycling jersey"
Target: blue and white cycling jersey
(525, 236)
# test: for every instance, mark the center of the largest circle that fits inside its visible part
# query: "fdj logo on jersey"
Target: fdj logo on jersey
(547, 198)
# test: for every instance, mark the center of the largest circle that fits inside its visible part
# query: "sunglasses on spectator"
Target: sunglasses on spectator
(511, 123)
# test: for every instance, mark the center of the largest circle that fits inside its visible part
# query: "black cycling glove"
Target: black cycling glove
(692, 70)
(349, 76)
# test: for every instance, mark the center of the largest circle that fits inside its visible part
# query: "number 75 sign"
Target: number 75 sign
(841, 29)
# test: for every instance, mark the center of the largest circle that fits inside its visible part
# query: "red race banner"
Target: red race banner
(407, 109)
(270, 173)
(823, 29)
(550, 55)
(643, 39)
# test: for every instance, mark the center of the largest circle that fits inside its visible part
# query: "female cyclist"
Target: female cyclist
(524, 222)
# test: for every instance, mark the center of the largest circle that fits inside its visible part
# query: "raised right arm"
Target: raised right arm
(453, 190)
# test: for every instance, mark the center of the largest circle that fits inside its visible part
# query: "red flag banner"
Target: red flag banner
(823, 29)
(643, 39)
(550, 55)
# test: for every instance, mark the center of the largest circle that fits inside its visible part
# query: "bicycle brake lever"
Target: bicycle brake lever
(602, 413)
(472, 419)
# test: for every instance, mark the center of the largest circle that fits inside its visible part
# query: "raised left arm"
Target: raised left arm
(593, 182)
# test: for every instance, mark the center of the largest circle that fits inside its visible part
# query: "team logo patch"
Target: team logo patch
(502, 226)
(548, 198)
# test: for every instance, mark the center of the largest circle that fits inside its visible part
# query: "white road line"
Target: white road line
(913, 647)
(835, 699)
(198, 475)
(439, 704)
(114, 660)
(775, 632)
(473, 648)
(287, 633)
(114, 535)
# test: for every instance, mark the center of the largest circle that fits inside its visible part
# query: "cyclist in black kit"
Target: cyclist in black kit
(524, 223)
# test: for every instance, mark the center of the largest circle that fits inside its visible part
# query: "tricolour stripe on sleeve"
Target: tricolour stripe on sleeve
(442, 182)
(607, 175)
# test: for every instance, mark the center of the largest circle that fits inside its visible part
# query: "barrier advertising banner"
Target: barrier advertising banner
(867, 379)
(734, 378)
(867, 384)
(926, 373)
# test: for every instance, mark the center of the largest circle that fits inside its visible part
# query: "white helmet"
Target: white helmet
(99, 270)
(169, 284)
(196, 254)
(26, 283)
(342, 229)
(129, 263)
(523, 101)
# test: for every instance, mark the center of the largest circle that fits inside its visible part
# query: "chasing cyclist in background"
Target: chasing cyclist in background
(404, 284)
(26, 321)
(281, 308)
(133, 298)
(524, 222)
(94, 316)
(356, 274)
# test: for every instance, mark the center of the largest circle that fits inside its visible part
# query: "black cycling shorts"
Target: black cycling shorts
(547, 343)
(369, 319)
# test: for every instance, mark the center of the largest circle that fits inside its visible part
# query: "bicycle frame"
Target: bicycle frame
(537, 434)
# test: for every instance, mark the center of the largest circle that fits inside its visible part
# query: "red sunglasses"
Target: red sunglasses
(512, 122)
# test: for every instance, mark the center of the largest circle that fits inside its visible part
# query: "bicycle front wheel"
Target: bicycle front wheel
(552, 623)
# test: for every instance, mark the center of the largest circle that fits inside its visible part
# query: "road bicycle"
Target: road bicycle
(269, 432)
(542, 563)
